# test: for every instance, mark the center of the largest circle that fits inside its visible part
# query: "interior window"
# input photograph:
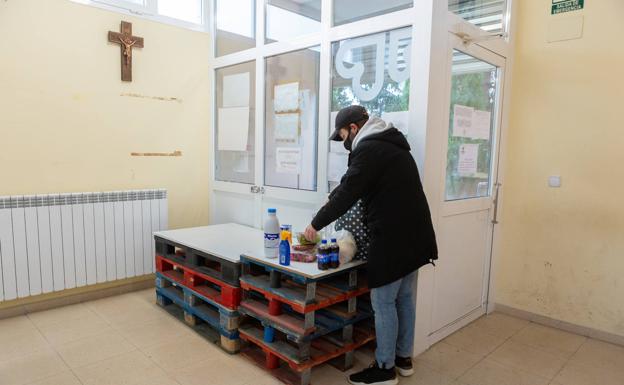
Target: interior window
(487, 14)
(347, 11)
(236, 26)
(187, 10)
(286, 19)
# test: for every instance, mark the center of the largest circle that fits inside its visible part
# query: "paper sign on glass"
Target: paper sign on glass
(233, 128)
(242, 164)
(286, 97)
(399, 120)
(288, 160)
(468, 159)
(287, 127)
(481, 124)
(236, 90)
(462, 120)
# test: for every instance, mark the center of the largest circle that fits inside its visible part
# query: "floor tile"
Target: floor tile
(489, 372)
(155, 332)
(75, 329)
(22, 342)
(185, 351)
(554, 341)
(574, 374)
(131, 368)
(500, 325)
(126, 310)
(14, 325)
(65, 378)
(209, 372)
(527, 358)
(89, 350)
(424, 375)
(448, 359)
(61, 314)
(600, 354)
(147, 296)
(474, 340)
(31, 368)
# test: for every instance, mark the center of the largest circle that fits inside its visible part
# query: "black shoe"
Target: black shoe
(404, 366)
(374, 375)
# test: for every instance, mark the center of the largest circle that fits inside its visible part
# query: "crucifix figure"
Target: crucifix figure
(127, 42)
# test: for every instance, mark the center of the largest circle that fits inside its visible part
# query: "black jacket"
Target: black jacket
(383, 173)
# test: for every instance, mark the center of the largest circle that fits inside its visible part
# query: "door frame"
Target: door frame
(434, 164)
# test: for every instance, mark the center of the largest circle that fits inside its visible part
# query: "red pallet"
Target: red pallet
(205, 285)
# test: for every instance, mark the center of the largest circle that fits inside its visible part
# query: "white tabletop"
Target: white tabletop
(227, 241)
(308, 270)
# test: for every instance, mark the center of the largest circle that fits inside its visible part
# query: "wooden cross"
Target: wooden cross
(127, 42)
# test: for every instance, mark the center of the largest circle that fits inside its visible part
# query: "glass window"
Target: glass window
(235, 123)
(291, 119)
(287, 19)
(187, 10)
(346, 11)
(471, 128)
(373, 71)
(236, 26)
(487, 14)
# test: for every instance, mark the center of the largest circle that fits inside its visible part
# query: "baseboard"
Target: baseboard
(48, 301)
(562, 325)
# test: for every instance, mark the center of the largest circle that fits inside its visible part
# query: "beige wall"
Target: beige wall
(563, 249)
(65, 126)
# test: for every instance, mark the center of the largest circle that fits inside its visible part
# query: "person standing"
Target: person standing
(383, 174)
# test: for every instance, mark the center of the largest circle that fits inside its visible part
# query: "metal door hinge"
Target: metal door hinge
(496, 195)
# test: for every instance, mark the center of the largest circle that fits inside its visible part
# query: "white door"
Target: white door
(469, 187)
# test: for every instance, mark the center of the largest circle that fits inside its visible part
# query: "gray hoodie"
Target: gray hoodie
(374, 125)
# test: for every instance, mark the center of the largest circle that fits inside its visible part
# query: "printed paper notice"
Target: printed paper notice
(287, 127)
(481, 124)
(468, 159)
(288, 160)
(286, 97)
(462, 120)
(236, 90)
(233, 128)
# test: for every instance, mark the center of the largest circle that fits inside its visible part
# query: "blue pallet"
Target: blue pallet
(177, 298)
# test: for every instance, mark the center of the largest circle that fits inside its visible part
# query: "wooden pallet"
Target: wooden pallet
(292, 363)
(209, 287)
(207, 264)
(201, 315)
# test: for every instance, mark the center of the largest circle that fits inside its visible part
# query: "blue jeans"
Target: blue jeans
(395, 318)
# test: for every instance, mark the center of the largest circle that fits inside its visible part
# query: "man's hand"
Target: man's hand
(310, 233)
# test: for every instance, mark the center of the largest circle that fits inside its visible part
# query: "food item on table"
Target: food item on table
(302, 257)
(304, 241)
(347, 245)
(303, 247)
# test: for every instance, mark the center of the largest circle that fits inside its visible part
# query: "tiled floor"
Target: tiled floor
(128, 340)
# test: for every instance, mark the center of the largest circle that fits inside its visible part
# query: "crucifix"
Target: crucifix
(127, 42)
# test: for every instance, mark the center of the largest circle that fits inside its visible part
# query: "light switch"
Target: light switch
(554, 181)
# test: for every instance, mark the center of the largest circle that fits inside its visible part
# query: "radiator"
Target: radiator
(55, 242)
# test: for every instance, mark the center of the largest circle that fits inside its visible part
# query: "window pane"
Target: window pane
(373, 71)
(471, 128)
(187, 10)
(286, 19)
(487, 14)
(235, 123)
(345, 11)
(291, 120)
(236, 26)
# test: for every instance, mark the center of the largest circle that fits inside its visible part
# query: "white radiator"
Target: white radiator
(61, 241)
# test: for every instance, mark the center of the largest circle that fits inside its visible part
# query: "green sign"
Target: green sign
(562, 6)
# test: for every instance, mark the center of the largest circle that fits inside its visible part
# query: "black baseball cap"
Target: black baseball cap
(346, 116)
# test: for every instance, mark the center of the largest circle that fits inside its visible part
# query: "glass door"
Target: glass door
(469, 184)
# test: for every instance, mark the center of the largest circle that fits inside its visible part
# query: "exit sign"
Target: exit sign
(562, 6)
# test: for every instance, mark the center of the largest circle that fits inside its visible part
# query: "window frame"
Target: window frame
(149, 11)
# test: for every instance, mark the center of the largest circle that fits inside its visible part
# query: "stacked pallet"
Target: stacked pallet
(197, 278)
(298, 317)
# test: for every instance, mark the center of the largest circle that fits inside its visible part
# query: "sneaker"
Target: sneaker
(375, 375)
(404, 366)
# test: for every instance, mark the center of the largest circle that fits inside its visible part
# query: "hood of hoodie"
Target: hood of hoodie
(376, 128)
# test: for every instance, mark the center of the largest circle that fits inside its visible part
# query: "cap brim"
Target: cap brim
(335, 136)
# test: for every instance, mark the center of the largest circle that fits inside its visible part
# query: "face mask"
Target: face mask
(348, 143)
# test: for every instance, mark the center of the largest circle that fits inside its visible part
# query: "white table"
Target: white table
(228, 241)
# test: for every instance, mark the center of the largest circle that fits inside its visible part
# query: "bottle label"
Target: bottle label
(271, 240)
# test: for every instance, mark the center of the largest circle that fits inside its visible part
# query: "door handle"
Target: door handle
(496, 195)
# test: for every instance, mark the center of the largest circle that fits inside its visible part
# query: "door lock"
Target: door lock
(257, 190)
